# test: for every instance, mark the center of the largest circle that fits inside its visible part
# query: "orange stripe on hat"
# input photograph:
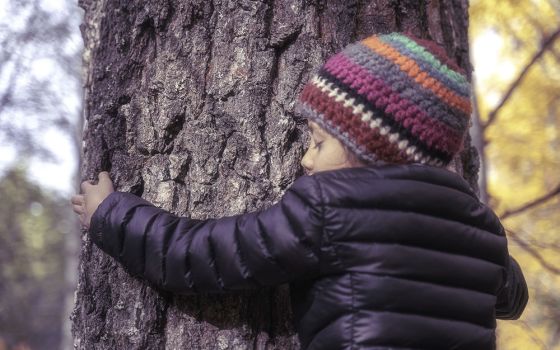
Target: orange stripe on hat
(410, 67)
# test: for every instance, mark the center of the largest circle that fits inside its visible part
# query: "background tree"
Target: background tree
(35, 224)
(40, 96)
(189, 104)
(519, 115)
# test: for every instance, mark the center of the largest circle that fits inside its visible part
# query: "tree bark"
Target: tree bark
(189, 105)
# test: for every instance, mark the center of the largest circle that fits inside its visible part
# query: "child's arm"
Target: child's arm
(514, 296)
(183, 255)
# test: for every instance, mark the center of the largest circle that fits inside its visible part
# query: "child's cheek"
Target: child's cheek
(332, 155)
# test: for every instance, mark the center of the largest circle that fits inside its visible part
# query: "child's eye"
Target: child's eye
(317, 144)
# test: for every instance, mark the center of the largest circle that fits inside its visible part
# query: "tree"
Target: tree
(189, 104)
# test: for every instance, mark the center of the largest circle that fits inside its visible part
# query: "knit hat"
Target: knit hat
(391, 98)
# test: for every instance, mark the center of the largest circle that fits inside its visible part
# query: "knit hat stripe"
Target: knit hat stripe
(429, 64)
(438, 52)
(408, 122)
(388, 71)
(429, 130)
(373, 139)
(413, 70)
(427, 56)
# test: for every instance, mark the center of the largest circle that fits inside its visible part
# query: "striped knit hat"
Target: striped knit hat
(392, 98)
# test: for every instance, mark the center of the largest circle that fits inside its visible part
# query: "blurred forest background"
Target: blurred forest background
(515, 50)
(517, 82)
(40, 101)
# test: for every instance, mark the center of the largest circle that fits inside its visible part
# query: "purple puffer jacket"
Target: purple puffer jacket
(393, 257)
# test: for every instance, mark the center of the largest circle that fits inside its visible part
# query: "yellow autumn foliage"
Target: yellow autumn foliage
(523, 158)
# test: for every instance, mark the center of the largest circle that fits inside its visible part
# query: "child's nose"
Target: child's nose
(306, 162)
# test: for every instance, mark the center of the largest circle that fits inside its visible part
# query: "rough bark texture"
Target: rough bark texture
(189, 104)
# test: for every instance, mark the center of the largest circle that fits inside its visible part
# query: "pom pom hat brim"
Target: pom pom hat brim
(391, 98)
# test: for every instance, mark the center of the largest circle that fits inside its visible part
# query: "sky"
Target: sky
(488, 65)
(59, 175)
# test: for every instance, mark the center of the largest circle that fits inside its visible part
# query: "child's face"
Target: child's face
(325, 152)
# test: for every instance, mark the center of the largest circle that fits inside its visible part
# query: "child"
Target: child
(384, 248)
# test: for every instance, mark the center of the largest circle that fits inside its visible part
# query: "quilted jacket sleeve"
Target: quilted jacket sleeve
(514, 296)
(268, 247)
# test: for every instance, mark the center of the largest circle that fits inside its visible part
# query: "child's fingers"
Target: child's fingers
(77, 199)
(78, 209)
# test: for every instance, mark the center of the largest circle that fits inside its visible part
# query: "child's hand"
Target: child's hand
(85, 204)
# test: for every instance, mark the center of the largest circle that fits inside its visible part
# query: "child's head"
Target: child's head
(386, 99)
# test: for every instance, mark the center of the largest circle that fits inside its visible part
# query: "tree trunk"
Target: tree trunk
(189, 105)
